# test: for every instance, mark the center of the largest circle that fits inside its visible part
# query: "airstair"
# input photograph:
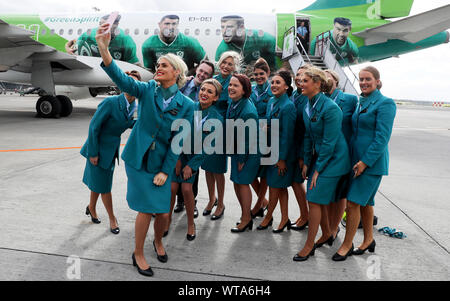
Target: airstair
(326, 57)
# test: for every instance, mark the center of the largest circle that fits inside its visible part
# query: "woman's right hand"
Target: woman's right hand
(94, 160)
(103, 39)
(305, 172)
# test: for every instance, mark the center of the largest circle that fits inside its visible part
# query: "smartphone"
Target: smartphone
(112, 18)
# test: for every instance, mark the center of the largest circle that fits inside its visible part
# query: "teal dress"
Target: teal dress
(325, 149)
(347, 103)
(260, 96)
(283, 110)
(300, 102)
(372, 123)
(245, 151)
(218, 163)
(198, 155)
(148, 150)
(109, 122)
(215, 161)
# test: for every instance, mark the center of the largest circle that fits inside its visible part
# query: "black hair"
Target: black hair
(286, 76)
(238, 19)
(343, 21)
(171, 17)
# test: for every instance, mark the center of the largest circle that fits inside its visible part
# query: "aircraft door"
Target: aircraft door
(303, 26)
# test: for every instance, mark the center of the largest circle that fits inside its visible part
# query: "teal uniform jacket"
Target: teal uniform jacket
(260, 97)
(153, 133)
(373, 121)
(245, 111)
(109, 122)
(224, 100)
(212, 162)
(324, 138)
(283, 110)
(347, 103)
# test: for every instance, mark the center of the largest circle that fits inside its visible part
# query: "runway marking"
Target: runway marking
(41, 149)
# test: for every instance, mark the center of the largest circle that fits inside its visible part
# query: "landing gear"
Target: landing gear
(49, 106)
(66, 105)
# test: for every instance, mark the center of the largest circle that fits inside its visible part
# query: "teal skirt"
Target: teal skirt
(297, 178)
(97, 179)
(325, 191)
(144, 196)
(363, 189)
(248, 174)
(216, 164)
(179, 179)
(274, 180)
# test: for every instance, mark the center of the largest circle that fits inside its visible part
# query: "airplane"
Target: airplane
(45, 50)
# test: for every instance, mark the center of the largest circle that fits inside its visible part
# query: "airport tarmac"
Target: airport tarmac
(45, 235)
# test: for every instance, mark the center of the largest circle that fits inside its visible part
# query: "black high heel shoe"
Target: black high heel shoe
(249, 226)
(191, 237)
(116, 230)
(265, 227)
(216, 217)
(287, 224)
(337, 257)
(161, 258)
(93, 219)
(260, 213)
(371, 249)
(299, 228)
(148, 272)
(329, 241)
(304, 258)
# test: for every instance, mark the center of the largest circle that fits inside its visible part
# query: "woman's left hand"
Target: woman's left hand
(359, 168)
(187, 172)
(281, 167)
(314, 180)
(160, 179)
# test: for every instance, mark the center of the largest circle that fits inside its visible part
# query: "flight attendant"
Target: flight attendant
(298, 187)
(244, 166)
(280, 175)
(216, 165)
(372, 124)
(114, 115)
(347, 103)
(148, 155)
(326, 157)
(261, 94)
(188, 164)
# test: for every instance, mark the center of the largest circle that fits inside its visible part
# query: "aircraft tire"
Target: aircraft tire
(48, 106)
(66, 105)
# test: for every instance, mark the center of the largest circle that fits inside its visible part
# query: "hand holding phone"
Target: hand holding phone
(112, 18)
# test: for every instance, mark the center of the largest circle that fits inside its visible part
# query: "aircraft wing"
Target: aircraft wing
(411, 29)
(21, 57)
(18, 51)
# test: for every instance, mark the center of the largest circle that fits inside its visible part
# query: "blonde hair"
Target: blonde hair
(318, 75)
(179, 65)
(334, 75)
(214, 83)
(237, 58)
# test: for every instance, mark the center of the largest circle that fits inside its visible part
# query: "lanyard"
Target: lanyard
(308, 107)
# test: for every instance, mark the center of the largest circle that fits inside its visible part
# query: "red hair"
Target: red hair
(246, 84)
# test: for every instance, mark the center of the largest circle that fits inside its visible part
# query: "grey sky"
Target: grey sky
(422, 75)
